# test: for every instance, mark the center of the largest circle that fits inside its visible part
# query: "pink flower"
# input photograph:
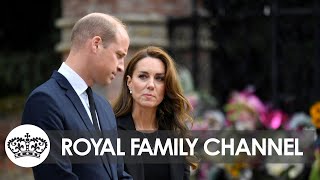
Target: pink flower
(274, 119)
(245, 105)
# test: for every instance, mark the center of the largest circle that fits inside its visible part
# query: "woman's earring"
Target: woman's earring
(130, 91)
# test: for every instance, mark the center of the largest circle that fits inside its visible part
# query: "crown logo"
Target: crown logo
(27, 146)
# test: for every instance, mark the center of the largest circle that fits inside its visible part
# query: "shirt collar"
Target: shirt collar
(78, 84)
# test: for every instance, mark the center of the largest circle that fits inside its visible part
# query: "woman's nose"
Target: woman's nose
(151, 83)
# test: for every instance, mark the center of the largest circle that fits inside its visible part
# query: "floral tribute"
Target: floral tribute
(315, 114)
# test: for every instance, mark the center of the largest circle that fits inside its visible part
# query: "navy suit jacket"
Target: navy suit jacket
(56, 106)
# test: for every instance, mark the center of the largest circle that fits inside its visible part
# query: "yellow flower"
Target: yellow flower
(315, 114)
(316, 122)
(235, 168)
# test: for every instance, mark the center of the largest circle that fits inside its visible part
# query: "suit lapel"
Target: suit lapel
(104, 115)
(86, 120)
(74, 98)
(126, 123)
(137, 169)
(107, 132)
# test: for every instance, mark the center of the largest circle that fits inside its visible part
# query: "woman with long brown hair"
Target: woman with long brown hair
(151, 99)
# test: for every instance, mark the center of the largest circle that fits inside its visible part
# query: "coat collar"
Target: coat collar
(74, 98)
(177, 171)
(126, 122)
(61, 80)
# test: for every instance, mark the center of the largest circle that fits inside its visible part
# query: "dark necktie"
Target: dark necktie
(92, 108)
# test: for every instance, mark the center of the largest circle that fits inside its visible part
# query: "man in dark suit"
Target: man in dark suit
(99, 43)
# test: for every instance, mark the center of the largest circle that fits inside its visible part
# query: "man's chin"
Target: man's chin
(105, 83)
(108, 82)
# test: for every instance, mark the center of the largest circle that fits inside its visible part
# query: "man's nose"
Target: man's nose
(120, 67)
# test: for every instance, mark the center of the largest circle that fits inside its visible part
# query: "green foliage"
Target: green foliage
(11, 105)
(20, 72)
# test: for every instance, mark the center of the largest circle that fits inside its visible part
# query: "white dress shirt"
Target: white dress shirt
(78, 84)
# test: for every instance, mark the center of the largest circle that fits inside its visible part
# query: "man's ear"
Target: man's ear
(95, 43)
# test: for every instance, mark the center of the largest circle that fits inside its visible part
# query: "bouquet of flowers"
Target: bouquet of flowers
(315, 119)
(245, 111)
